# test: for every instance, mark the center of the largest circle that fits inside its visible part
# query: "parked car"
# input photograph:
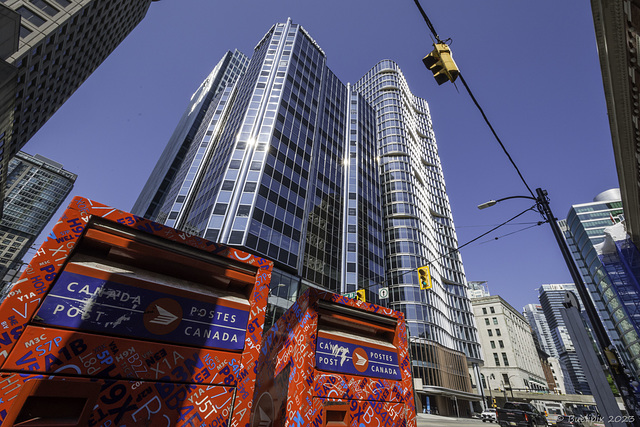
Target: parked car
(521, 415)
(488, 414)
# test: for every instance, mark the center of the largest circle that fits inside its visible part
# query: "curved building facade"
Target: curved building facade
(419, 229)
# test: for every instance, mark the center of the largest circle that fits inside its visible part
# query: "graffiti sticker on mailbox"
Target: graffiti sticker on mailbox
(103, 305)
(356, 359)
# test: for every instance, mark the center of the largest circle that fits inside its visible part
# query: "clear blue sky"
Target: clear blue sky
(533, 66)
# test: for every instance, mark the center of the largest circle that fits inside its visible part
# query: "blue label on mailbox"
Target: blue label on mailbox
(88, 303)
(355, 359)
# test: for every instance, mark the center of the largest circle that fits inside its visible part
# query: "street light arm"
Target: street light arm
(493, 202)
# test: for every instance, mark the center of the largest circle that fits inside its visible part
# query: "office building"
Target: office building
(287, 163)
(535, 316)
(48, 48)
(542, 334)
(551, 299)
(511, 359)
(201, 107)
(419, 230)
(36, 187)
(607, 270)
(559, 374)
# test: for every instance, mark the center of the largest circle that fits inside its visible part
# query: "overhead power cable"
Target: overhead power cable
(514, 232)
(429, 262)
(475, 101)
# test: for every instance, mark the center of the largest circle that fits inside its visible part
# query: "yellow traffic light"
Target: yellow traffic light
(360, 295)
(424, 276)
(441, 64)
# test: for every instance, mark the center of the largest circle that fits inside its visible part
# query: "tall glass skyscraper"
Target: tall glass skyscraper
(551, 299)
(288, 163)
(612, 284)
(201, 107)
(36, 187)
(418, 224)
(540, 327)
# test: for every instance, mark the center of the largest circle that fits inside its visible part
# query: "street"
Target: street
(437, 420)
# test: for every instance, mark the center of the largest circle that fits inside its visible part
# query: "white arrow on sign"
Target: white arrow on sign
(383, 293)
(164, 317)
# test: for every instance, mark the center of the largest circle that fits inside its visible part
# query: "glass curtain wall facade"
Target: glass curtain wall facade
(551, 299)
(617, 304)
(540, 327)
(622, 268)
(286, 164)
(36, 187)
(200, 109)
(419, 227)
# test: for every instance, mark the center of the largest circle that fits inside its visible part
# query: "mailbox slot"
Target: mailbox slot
(342, 320)
(337, 414)
(119, 245)
(53, 402)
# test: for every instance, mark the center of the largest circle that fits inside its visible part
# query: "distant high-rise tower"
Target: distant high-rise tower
(288, 163)
(551, 299)
(610, 279)
(49, 47)
(36, 187)
(535, 316)
(540, 328)
(478, 289)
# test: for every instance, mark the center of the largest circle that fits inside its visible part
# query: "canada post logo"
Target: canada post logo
(360, 360)
(349, 358)
(162, 316)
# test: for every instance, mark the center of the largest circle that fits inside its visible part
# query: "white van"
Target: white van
(554, 410)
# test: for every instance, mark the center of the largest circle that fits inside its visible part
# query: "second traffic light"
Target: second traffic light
(441, 64)
(424, 276)
(360, 295)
